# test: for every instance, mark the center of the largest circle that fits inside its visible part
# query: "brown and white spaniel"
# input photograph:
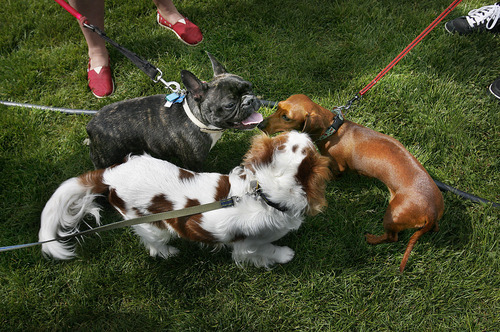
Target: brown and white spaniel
(280, 179)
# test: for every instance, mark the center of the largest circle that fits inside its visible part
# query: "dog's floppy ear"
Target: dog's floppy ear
(314, 125)
(193, 85)
(313, 173)
(216, 66)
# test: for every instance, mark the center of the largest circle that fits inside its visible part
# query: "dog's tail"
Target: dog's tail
(414, 238)
(65, 210)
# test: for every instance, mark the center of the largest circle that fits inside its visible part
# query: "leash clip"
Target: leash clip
(350, 103)
(174, 98)
(254, 185)
(175, 87)
(85, 23)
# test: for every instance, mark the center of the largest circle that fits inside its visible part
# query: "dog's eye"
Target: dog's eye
(284, 117)
(229, 106)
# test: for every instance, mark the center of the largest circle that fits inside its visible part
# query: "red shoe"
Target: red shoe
(100, 81)
(185, 30)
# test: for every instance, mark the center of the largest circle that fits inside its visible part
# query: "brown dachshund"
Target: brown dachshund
(415, 200)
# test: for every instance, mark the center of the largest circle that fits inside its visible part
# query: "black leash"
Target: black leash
(151, 71)
(444, 187)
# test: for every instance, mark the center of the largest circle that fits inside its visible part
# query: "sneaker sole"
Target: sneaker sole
(100, 97)
(448, 30)
(494, 94)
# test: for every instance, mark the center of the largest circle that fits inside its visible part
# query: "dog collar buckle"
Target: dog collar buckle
(257, 191)
(337, 122)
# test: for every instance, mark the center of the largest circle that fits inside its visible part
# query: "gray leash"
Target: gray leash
(48, 108)
(228, 202)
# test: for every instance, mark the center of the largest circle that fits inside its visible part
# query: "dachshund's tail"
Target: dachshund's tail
(414, 238)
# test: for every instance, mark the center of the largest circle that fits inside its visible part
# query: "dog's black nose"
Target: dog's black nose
(249, 101)
(262, 125)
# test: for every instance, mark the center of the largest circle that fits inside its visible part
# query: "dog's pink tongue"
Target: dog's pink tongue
(253, 119)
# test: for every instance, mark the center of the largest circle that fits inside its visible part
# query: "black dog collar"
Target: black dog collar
(337, 122)
(258, 191)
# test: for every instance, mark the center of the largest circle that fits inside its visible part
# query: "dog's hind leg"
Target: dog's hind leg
(401, 214)
(155, 240)
(390, 235)
(261, 255)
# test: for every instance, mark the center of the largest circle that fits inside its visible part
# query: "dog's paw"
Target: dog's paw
(384, 238)
(163, 252)
(283, 255)
(370, 238)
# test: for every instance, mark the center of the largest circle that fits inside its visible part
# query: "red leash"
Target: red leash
(69, 9)
(404, 52)
(408, 48)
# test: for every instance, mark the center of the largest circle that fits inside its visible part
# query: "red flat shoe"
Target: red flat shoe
(100, 81)
(184, 29)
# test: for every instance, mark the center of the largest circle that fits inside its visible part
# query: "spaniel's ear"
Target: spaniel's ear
(318, 174)
(314, 125)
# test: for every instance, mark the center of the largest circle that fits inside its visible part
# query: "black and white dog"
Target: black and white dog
(183, 133)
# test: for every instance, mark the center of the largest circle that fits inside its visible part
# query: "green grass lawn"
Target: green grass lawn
(435, 101)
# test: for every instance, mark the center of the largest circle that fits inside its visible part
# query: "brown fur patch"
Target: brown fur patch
(160, 204)
(116, 201)
(223, 187)
(189, 227)
(94, 180)
(262, 150)
(313, 172)
(185, 175)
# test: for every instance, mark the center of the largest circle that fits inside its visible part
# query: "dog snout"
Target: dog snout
(262, 126)
(249, 101)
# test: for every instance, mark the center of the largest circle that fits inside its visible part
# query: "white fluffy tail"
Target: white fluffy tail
(62, 215)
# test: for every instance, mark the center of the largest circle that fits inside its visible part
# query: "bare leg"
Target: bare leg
(93, 10)
(168, 10)
(171, 19)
